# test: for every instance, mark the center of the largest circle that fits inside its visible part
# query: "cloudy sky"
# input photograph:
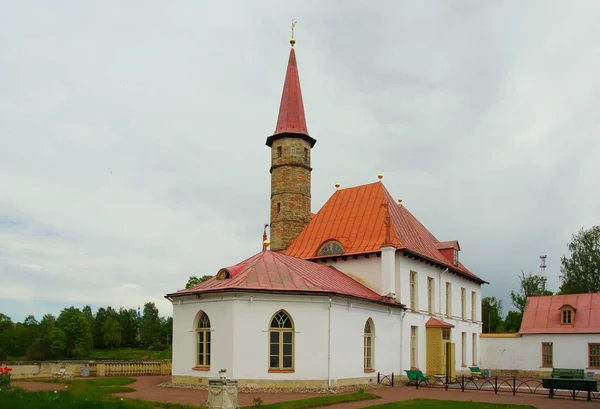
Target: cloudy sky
(132, 134)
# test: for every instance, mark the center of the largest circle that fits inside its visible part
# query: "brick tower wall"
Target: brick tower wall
(290, 190)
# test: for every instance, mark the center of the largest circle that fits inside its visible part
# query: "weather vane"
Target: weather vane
(293, 40)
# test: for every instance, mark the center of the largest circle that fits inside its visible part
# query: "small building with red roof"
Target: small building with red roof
(359, 287)
(557, 331)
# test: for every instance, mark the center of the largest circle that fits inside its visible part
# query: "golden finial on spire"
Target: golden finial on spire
(293, 40)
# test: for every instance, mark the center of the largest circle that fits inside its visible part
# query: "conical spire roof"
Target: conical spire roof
(291, 120)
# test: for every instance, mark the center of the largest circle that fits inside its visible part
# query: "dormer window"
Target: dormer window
(456, 257)
(331, 248)
(567, 314)
(223, 274)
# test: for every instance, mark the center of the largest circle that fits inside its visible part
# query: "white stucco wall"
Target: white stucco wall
(240, 325)
(525, 353)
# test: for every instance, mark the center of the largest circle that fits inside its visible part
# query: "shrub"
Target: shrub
(5, 377)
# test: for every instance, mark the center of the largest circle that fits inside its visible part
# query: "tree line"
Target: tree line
(580, 274)
(74, 333)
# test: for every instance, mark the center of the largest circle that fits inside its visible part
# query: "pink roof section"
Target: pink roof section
(356, 218)
(542, 315)
(276, 272)
(436, 323)
(291, 117)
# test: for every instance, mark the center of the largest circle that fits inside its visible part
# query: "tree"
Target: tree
(77, 330)
(530, 285)
(40, 348)
(58, 343)
(97, 329)
(492, 315)
(150, 325)
(512, 322)
(195, 280)
(581, 271)
(111, 331)
(129, 326)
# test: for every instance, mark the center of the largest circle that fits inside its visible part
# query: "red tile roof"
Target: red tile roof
(542, 315)
(356, 218)
(435, 323)
(276, 272)
(291, 117)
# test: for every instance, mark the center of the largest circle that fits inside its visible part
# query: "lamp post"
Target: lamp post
(491, 303)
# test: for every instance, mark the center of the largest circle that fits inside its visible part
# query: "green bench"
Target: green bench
(568, 373)
(476, 372)
(572, 385)
(416, 375)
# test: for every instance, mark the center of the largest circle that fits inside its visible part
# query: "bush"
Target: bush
(5, 377)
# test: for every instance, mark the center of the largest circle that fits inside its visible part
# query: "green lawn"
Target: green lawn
(130, 354)
(124, 354)
(320, 401)
(93, 393)
(446, 404)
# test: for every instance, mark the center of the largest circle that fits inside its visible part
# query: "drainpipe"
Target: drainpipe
(402, 314)
(440, 295)
(329, 346)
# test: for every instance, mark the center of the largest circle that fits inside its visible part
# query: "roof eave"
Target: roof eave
(295, 292)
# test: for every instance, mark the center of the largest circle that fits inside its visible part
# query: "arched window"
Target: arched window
(281, 342)
(368, 345)
(331, 248)
(203, 340)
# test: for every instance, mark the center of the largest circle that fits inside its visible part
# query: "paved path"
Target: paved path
(147, 389)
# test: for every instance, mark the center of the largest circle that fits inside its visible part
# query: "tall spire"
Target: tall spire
(291, 120)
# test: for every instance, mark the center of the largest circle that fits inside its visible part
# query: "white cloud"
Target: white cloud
(132, 137)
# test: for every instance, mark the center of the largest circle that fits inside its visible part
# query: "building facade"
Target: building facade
(359, 287)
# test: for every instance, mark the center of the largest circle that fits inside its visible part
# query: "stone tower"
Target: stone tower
(290, 163)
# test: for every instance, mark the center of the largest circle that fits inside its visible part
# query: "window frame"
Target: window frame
(414, 291)
(280, 342)
(430, 294)
(474, 348)
(596, 355)
(369, 346)
(473, 306)
(463, 303)
(463, 348)
(547, 355)
(332, 244)
(204, 363)
(414, 346)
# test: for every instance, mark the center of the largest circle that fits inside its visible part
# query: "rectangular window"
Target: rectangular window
(279, 152)
(546, 354)
(594, 355)
(567, 316)
(413, 347)
(448, 299)
(463, 303)
(305, 155)
(456, 257)
(414, 305)
(474, 346)
(473, 306)
(464, 349)
(446, 335)
(430, 294)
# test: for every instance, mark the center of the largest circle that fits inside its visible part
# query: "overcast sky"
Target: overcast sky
(132, 134)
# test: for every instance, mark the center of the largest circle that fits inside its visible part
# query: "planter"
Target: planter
(223, 375)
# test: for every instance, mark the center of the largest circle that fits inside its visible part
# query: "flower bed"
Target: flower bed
(5, 377)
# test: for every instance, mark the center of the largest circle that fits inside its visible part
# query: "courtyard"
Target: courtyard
(147, 389)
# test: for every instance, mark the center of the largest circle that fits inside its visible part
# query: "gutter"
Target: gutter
(329, 346)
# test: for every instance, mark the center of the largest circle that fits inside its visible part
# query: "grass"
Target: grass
(121, 354)
(320, 401)
(131, 354)
(93, 393)
(446, 404)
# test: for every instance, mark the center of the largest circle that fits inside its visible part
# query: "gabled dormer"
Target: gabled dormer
(567, 314)
(449, 250)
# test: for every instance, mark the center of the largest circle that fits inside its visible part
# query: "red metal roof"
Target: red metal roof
(542, 315)
(291, 117)
(356, 218)
(277, 272)
(434, 322)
